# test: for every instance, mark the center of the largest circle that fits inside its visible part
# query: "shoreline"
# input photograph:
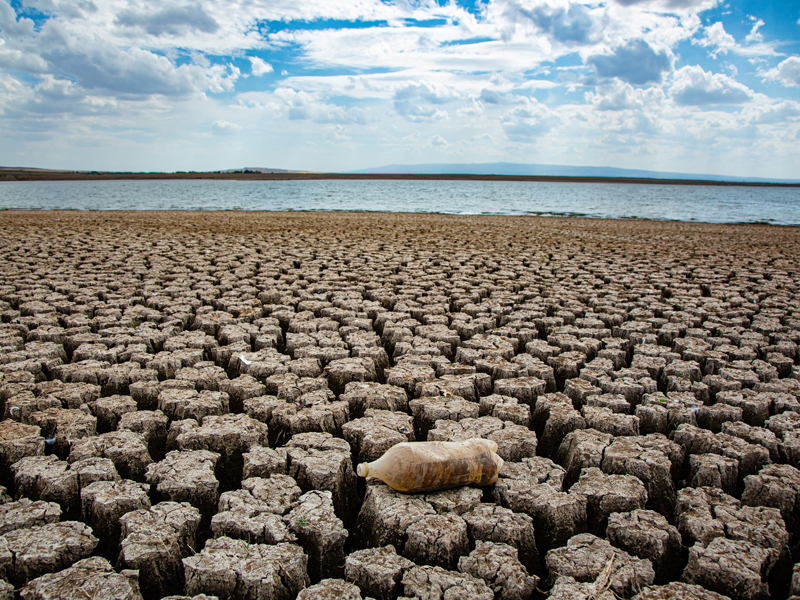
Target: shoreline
(259, 212)
(47, 175)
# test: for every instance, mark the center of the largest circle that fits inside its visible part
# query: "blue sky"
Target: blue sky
(696, 86)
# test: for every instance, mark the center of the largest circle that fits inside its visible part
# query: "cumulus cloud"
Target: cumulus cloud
(619, 95)
(719, 40)
(11, 25)
(259, 67)
(12, 92)
(636, 62)
(418, 101)
(529, 121)
(695, 6)
(173, 20)
(302, 106)
(570, 23)
(473, 109)
(14, 58)
(787, 73)
(780, 113)
(693, 86)
(148, 70)
(755, 34)
(99, 64)
(223, 128)
(491, 97)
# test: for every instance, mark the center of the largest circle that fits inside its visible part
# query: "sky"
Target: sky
(692, 86)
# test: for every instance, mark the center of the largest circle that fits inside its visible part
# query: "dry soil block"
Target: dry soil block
(427, 410)
(253, 513)
(26, 513)
(28, 553)
(320, 532)
(318, 461)
(585, 557)
(155, 541)
(103, 504)
(499, 566)
(377, 571)
(647, 534)
(438, 540)
(88, 578)
(186, 476)
(492, 523)
(653, 459)
(126, 449)
(363, 396)
(18, 441)
(386, 516)
(235, 569)
(606, 494)
(372, 435)
(731, 567)
(436, 582)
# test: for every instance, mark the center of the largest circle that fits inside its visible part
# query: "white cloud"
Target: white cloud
(97, 63)
(14, 58)
(418, 101)
(787, 72)
(474, 109)
(302, 106)
(755, 34)
(529, 121)
(719, 40)
(636, 62)
(225, 128)
(565, 22)
(259, 67)
(694, 86)
(779, 113)
(12, 92)
(686, 6)
(133, 75)
(170, 20)
(619, 95)
(11, 25)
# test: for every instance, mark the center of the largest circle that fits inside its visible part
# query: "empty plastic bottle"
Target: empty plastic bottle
(430, 466)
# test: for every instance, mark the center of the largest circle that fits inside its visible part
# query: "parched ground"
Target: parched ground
(185, 397)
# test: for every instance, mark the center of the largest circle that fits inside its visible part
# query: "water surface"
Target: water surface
(711, 204)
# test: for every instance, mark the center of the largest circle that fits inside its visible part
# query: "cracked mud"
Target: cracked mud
(185, 396)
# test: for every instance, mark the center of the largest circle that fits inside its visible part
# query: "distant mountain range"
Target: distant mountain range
(518, 169)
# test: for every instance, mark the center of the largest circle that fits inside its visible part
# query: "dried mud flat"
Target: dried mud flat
(185, 397)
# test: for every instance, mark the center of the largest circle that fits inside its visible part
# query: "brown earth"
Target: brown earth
(190, 392)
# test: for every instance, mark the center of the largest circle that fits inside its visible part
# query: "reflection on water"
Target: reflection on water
(710, 204)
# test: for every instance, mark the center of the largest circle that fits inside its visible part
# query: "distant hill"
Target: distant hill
(534, 170)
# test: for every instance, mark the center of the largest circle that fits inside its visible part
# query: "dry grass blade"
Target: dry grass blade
(603, 581)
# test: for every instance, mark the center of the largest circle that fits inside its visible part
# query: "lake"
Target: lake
(710, 204)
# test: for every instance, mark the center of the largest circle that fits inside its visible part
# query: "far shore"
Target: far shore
(9, 174)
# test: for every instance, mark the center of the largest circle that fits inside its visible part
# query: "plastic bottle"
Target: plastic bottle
(430, 466)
